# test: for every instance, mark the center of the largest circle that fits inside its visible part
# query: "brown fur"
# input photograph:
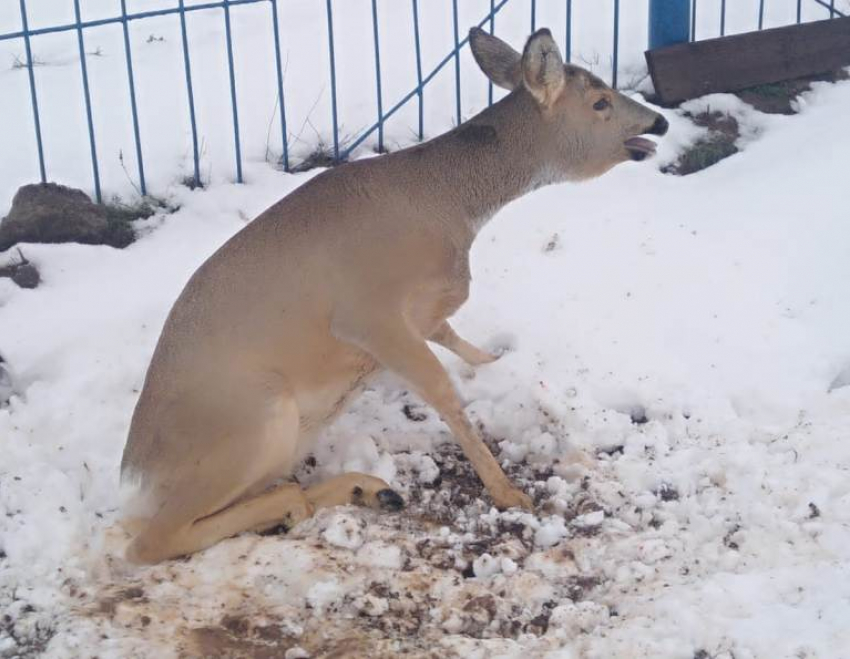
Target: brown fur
(351, 273)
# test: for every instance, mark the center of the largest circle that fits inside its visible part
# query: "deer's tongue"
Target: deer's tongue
(640, 144)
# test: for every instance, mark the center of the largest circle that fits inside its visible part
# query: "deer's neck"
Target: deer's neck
(490, 160)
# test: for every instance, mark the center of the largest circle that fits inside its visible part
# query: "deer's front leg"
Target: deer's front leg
(397, 347)
(448, 338)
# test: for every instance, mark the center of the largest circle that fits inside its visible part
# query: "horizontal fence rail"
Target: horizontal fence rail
(27, 34)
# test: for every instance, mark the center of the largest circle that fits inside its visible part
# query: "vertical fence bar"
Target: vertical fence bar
(419, 90)
(492, 31)
(133, 108)
(378, 76)
(616, 57)
(457, 60)
(669, 22)
(799, 11)
(533, 15)
(228, 31)
(191, 95)
(568, 46)
(761, 14)
(33, 95)
(333, 77)
(279, 72)
(694, 21)
(723, 17)
(832, 8)
(87, 95)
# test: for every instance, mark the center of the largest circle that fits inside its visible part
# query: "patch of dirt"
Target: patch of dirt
(109, 605)
(638, 415)
(414, 413)
(30, 638)
(386, 637)
(778, 98)
(719, 144)
(237, 637)
(121, 217)
(731, 539)
(321, 156)
(667, 492)
(456, 487)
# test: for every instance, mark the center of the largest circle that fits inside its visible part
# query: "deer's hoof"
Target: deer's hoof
(389, 500)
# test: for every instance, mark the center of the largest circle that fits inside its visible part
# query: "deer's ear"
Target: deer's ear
(543, 67)
(500, 62)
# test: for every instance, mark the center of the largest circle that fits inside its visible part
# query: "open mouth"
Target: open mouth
(640, 148)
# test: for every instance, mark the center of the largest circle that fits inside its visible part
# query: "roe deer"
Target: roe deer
(353, 272)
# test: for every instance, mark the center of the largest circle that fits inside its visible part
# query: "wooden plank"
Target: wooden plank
(736, 62)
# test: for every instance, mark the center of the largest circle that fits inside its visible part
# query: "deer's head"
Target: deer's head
(583, 127)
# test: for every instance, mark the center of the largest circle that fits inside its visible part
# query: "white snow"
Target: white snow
(550, 532)
(714, 305)
(590, 519)
(344, 531)
(486, 566)
(508, 566)
(323, 593)
(296, 653)
(381, 555)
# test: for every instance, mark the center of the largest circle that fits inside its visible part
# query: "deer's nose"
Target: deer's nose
(660, 126)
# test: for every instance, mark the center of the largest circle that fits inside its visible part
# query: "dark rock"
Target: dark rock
(23, 273)
(52, 213)
(26, 275)
(413, 414)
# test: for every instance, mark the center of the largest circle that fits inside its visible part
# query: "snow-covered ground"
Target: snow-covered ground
(670, 396)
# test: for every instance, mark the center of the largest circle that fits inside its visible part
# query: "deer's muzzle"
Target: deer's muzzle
(660, 126)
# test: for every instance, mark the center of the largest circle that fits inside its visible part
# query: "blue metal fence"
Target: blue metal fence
(80, 26)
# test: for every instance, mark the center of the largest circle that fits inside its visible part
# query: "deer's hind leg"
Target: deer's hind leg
(354, 488)
(218, 486)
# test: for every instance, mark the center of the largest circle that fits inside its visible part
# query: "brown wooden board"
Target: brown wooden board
(736, 62)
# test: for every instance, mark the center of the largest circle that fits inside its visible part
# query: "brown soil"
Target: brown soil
(23, 273)
(719, 144)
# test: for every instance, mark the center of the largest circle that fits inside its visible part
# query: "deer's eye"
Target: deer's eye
(601, 104)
